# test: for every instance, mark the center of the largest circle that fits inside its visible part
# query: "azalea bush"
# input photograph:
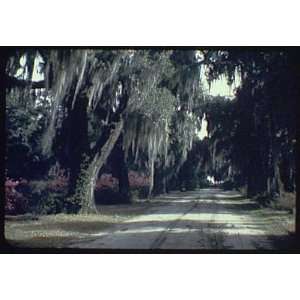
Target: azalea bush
(15, 201)
(48, 195)
(137, 180)
(139, 184)
(107, 181)
(107, 187)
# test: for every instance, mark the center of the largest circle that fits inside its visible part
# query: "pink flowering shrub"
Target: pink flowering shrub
(107, 181)
(48, 195)
(137, 180)
(15, 202)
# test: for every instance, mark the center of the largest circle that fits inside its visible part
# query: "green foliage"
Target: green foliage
(140, 192)
(228, 185)
(24, 129)
(188, 175)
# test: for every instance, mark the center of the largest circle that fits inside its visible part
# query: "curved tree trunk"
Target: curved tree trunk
(88, 204)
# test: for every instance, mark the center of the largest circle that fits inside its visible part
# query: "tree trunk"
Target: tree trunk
(151, 178)
(124, 189)
(158, 180)
(4, 56)
(257, 176)
(121, 170)
(279, 180)
(297, 188)
(271, 182)
(294, 68)
(164, 183)
(88, 203)
(77, 133)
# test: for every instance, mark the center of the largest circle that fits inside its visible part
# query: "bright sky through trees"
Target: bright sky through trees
(203, 131)
(220, 87)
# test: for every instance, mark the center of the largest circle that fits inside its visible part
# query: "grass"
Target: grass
(57, 231)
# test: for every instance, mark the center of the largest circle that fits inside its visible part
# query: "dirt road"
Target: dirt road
(205, 219)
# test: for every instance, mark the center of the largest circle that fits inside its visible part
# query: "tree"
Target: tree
(264, 123)
(129, 77)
